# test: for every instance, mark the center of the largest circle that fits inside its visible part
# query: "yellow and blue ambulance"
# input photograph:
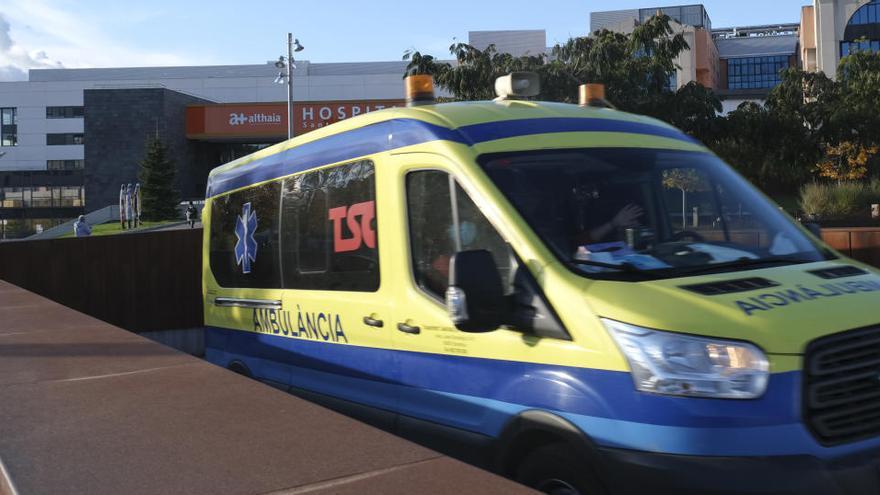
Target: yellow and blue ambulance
(589, 300)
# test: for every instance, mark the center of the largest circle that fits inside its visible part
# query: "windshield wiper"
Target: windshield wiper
(623, 267)
(743, 263)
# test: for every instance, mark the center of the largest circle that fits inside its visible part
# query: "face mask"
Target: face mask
(467, 231)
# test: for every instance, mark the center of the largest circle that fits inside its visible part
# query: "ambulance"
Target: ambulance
(583, 300)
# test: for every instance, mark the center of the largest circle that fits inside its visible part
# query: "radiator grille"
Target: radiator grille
(842, 386)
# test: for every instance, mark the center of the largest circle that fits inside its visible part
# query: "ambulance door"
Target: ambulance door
(447, 376)
(337, 300)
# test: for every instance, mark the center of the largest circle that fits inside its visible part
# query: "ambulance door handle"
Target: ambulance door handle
(403, 327)
(373, 322)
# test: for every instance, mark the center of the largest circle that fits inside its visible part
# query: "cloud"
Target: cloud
(16, 60)
(64, 30)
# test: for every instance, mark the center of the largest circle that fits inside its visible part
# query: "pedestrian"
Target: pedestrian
(81, 227)
(192, 214)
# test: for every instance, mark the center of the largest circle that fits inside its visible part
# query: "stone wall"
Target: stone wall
(118, 124)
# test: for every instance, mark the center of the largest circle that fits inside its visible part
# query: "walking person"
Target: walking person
(192, 215)
(81, 228)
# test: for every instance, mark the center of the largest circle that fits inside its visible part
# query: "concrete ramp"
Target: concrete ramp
(86, 407)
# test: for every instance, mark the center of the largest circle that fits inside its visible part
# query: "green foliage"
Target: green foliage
(15, 229)
(686, 179)
(158, 195)
(635, 68)
(778, 145)
(774, 152)
(841, 200)
(422, 64)
(858, 116)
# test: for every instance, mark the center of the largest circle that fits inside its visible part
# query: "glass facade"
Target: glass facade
(65, 164)
(755, 72)
(41, 197)
(862, 30)
(867, 14)
(691, 15)
(64, 112)
(847, 47)
(8, 127)
(64, 138)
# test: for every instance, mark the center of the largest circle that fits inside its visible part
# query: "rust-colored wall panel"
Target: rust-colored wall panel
(866, 246)
(140, 282)
(837, 239)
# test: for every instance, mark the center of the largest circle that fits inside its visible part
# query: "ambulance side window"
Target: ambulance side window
(434, 202)
(328, 229)
(244, 238)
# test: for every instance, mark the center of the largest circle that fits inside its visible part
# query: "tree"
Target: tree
(846, 161)
(694, 109)
(635, 68)
(158, 195)
(686, 180)
(422, 64)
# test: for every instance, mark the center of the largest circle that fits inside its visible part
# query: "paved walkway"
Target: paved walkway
(86, 407)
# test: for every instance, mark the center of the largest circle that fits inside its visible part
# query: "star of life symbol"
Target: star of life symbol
(237, 118)
(245, 245)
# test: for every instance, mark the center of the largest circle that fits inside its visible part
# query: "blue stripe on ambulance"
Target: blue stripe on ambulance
(398, 133)
(471, 388)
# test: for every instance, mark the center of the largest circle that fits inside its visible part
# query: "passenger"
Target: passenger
(440, 264)
(81, 227)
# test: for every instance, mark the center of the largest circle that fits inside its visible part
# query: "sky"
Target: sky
(129, 33)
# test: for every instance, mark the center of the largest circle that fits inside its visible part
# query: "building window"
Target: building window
(328, 233)
(65, 164)
(847, 47)
(8, 127)
(443, 220)
(867, 14)
(755, 72)
(64, 138)
(690, 15)
(41, 197)
(64, 112)
(862, 33)
(244, 238)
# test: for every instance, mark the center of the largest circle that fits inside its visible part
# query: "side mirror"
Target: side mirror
(475, 298)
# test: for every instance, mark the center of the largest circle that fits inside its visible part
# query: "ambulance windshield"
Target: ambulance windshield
(632, 213)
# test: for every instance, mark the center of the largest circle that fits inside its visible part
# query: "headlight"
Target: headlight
(675, 364)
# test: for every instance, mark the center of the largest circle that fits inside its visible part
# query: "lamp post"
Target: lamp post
(3, 220)
(293, 45)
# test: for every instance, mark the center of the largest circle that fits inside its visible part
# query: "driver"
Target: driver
(626, 217)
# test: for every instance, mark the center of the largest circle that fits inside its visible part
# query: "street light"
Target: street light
(3, 221)
(288, 63)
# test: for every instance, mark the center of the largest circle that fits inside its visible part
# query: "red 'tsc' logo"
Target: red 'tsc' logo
(361, 231)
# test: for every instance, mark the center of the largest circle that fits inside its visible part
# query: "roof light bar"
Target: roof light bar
(419, 90)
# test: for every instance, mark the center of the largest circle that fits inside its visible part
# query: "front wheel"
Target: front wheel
(558, 470)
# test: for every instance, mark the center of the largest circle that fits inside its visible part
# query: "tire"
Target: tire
(556, 469)
(240, 368)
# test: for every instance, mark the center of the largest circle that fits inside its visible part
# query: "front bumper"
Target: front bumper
(638, 472)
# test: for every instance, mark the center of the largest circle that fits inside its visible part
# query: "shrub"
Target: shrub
(838, 201)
